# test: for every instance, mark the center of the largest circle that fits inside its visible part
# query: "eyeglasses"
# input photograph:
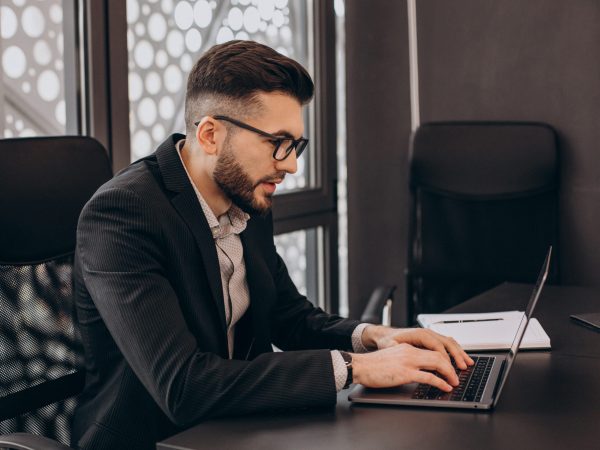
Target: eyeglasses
(283, 145)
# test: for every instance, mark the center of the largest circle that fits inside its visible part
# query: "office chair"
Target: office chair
(483, 209)
(44, 184)
(379, 306)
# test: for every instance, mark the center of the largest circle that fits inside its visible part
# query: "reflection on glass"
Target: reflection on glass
(166, 38)
(32, 92)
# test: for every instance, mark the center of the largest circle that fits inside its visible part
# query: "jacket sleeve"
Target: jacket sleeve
(297, 324)
(119, 245)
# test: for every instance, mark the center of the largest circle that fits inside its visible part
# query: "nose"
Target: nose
(289, 164)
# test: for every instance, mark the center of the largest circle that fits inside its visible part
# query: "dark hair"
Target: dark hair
(238, 70)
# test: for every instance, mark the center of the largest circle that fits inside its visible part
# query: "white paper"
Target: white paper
(492, 335)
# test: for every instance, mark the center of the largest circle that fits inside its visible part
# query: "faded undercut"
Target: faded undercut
(228, 77)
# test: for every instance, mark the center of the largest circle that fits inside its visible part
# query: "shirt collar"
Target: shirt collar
(234, 220)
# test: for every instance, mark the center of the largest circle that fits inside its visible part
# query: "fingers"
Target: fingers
(431, 360)
(458, 354)
(403, 364)
(431, 379)
(445, 345)
(433, 342)
(461, 359)
(443, 367)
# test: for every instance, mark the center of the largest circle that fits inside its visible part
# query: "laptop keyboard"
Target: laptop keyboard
(472, 382)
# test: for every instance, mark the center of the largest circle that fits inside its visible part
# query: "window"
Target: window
(302, 252)
(37, 61)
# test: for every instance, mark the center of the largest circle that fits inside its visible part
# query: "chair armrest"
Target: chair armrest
(378, 300)
(25, 441)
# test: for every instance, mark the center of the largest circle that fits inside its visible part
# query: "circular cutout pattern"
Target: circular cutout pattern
(175, 43)
(173, 78)
(8, 22)
(184, 15)
(193, 40)
(157, 27)
(14, 62)
(202, 13)
(48, 85)
(42, 53)
(33, 22)
(143, 54)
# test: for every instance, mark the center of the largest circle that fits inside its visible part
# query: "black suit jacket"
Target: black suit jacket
(151, 316)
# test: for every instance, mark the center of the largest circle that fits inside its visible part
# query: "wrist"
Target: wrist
(348, 360)
(358, 365)
(371, 335)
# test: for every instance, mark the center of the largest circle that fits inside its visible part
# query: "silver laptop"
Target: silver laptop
(480, 385)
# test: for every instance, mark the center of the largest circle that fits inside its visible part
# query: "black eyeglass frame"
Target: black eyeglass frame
(298, 144)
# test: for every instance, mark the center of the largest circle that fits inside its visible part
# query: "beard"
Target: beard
(237, 185)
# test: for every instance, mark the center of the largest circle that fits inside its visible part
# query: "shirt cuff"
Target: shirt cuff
(357, 344)
(340, 372)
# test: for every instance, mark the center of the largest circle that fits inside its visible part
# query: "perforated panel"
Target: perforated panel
(38, 341)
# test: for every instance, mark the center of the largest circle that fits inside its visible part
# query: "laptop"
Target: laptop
(480, 385)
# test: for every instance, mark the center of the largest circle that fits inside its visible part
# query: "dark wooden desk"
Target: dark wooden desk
(554, 307)
(551, 400)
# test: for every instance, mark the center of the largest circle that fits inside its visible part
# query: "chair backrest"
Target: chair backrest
(379, 306)
(44, 184)
(483, 209)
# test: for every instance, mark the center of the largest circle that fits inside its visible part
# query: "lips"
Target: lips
(269, 187)
(269, 184)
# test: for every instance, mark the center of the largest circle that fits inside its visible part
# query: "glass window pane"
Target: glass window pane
(33, 88)
(302, 253)
(292, 249)
(166, 38)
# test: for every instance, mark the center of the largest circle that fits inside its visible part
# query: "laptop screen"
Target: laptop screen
(535, 295)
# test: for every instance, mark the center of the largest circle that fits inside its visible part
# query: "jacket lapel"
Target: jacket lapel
(261, 288)
(187, 205)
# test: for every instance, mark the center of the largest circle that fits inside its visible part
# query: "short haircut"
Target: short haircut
(227, 78)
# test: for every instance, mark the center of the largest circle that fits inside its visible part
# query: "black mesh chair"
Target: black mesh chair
(483, 209)
(44, 184)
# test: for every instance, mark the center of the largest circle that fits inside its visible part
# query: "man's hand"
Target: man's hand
(379, 337)
(402, 364)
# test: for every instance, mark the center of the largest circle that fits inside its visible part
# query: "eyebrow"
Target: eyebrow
(284, 133)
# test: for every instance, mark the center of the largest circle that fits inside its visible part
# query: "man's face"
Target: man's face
(246, 170)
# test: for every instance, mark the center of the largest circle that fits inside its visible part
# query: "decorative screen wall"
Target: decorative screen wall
(32, 91)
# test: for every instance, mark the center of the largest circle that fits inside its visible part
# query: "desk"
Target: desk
(554, 307)
(551, 400)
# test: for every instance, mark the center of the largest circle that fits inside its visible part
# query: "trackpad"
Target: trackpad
(401, 392)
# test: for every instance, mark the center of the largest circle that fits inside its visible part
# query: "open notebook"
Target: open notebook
(489, 335)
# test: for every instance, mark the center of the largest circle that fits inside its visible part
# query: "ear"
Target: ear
(209, 135)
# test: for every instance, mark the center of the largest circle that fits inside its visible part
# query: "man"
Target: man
(180, 292)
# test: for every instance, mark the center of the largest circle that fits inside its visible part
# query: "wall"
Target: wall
(526, 60)
(478, 60)
(378, 129)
